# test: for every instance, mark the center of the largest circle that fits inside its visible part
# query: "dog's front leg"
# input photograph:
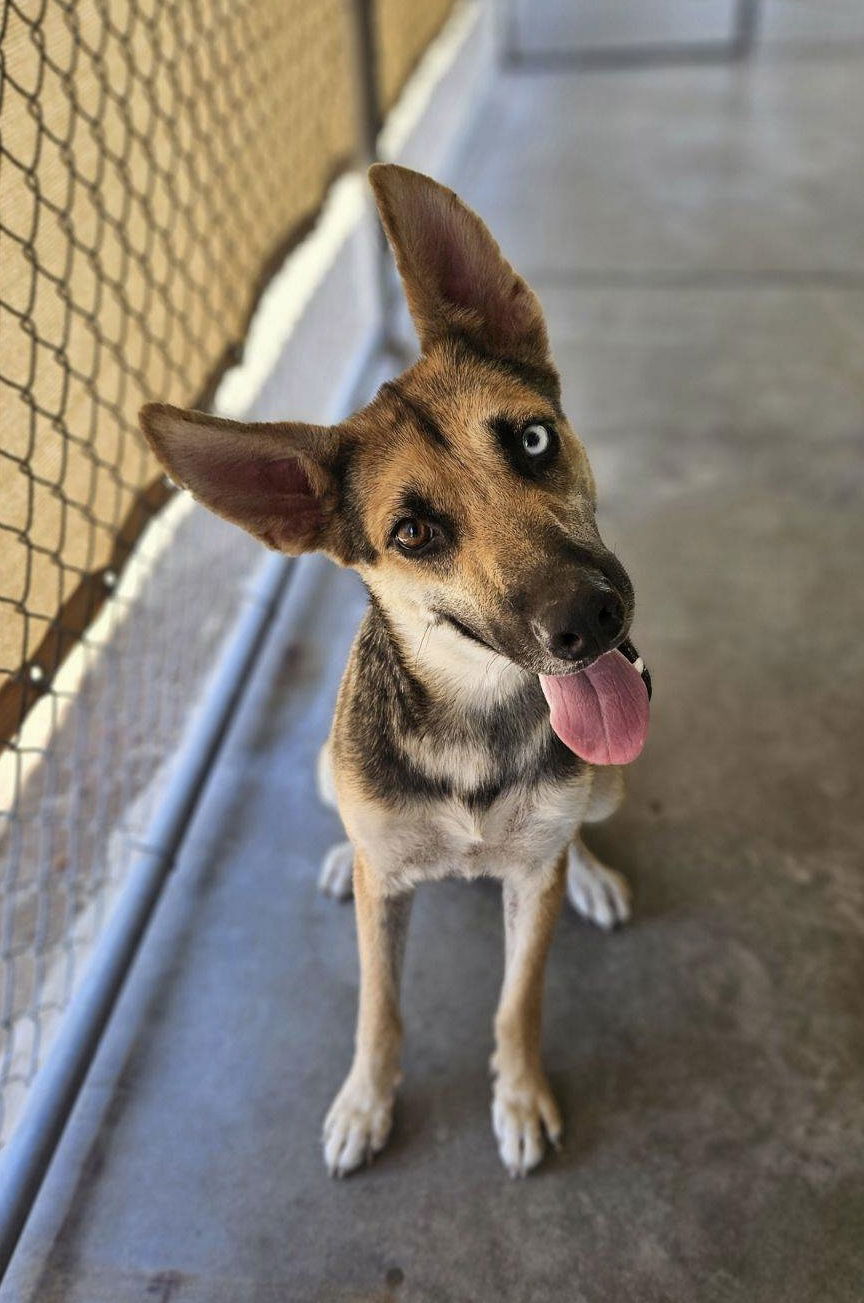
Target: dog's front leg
(359, 1120)
(523, 1104)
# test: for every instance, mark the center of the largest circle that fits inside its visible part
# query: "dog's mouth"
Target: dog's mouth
(600, 711)
(627, 649)
(466, 631)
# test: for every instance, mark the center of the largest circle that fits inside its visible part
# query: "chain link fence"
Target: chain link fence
(157, 162)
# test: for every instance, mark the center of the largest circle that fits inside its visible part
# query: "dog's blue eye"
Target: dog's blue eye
(536, 440)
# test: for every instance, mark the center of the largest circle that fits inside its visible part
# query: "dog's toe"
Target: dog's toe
(520, 1117)
(599, 894)
(356, 1128)
(337, 871)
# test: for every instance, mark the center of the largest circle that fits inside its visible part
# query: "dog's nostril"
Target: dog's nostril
(568, 643)
(610, 618)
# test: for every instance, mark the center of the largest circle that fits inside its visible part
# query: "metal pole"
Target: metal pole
(747, 16)
(369, 125)
(509, 28)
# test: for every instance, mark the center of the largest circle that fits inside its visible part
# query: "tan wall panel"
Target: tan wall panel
(403, 29)
(153, 159)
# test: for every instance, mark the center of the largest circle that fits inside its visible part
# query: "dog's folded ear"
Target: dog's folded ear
(276, 481)
(456, 279)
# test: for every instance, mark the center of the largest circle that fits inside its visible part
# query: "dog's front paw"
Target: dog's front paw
(357, 1126)
(337, 872)
(522, 1111)
(599, 894)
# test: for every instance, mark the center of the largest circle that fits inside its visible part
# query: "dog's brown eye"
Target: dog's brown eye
(412, 533)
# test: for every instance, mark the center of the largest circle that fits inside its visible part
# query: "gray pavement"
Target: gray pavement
(696, 238)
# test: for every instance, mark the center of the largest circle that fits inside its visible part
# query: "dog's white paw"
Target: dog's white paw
(356, 1127)
(521, 1114)
(597, 893)
(337, 871)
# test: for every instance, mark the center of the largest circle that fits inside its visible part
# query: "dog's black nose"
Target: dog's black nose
(582, 624)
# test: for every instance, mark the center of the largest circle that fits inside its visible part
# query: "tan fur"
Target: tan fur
(523, 1105)
(500, 517)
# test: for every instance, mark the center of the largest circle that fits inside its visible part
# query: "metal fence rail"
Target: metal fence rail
(32, 1144)
(157, 161)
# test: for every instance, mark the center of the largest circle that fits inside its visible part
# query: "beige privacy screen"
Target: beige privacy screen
(403, 29)
(155, 159)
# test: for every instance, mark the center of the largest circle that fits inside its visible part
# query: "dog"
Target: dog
(492, 693)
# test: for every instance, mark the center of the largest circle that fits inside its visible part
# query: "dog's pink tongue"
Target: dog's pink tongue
(600, 713)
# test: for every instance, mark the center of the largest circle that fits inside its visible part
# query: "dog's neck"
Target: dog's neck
(431, 715)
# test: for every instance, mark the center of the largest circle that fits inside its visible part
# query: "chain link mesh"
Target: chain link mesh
(157, 160)
(154, 157)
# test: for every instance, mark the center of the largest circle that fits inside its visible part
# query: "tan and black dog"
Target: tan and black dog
(491, 692)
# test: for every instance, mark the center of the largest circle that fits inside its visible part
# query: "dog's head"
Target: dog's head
(460, 493)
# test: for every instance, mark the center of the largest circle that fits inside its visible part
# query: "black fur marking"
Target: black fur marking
(421, 414)
(353, 543)
(509, 437)
(438, 550)
(412, 503)
(544, 380)
(389, 704)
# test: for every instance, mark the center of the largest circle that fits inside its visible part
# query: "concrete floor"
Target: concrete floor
(696, 238)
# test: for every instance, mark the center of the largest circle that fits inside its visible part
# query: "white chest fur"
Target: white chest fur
(426, 840)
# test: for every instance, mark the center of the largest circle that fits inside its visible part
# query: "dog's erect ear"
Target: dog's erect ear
(271, 479)
(456, 279)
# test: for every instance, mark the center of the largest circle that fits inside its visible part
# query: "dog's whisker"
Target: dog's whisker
(487, 669)
(426, 632)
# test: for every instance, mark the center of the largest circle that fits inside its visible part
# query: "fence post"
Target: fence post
(369, 125)
(747, 16)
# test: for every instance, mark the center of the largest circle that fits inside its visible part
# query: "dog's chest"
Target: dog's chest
(448, 837)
